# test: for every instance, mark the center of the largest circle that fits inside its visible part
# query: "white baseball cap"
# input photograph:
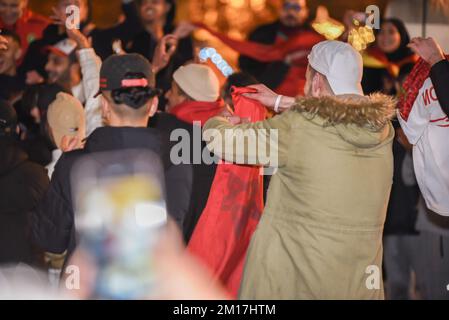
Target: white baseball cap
(341, 64)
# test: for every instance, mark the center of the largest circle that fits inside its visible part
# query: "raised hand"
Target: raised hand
(70, 143)
(58, 17)
(184, 29)
(82, 41)
(164, 51)
(428, 49)
(268, 98)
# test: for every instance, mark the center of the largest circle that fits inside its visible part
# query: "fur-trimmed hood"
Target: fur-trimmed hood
(372, 112)
(363, 121)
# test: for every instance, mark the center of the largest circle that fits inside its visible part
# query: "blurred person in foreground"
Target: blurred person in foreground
(322, 225)
(129, 99)
(179, 276)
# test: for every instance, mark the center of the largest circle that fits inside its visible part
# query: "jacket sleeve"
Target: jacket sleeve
(262, 143)
(178, 180)
(90, 68)
(439, 74)
(52, 220)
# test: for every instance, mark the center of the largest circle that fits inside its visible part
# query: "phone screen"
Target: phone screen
(120, 212)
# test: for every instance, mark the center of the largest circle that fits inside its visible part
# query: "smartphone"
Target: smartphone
(120, 211)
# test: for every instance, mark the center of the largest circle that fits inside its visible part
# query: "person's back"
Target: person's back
(22, 184)
(326, 206)
(320, 236)
(202, 174)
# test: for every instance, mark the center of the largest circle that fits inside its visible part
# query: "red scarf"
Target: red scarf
(393, 68)
(190, 111)
(222, 235)
(412, 85)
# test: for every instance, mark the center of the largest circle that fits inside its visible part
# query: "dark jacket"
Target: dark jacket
(102, 39)
(403, 205)
(440, 79)
(53, 222)
(203, 174)
(22, 185)
(270, 74)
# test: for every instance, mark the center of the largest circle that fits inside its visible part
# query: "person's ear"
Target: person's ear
(105, 110)
(18, 54)
(316, 85)
(153, 106)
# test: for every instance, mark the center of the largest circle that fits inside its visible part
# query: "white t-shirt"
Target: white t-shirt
(427, 129)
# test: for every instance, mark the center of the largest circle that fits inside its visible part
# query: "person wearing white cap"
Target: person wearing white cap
(320, 236)
(195, 93)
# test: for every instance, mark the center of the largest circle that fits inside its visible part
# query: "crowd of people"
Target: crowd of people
(355, 144)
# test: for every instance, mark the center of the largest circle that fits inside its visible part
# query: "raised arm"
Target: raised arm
(263, 143)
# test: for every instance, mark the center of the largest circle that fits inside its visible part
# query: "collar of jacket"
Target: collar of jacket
(117, 138)
(372, 112)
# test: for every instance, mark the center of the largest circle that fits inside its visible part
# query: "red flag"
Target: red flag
(222, 235)
(302, 41)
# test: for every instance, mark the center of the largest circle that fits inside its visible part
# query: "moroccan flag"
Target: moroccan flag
(233, 210)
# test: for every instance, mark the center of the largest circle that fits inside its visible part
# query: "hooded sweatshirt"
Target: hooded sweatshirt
(320, 235)
(22, 186)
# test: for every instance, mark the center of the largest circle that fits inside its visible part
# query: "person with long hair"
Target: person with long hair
(387, 58)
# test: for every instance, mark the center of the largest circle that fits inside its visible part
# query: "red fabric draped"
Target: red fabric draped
(295, 79)
(222, 235)
(191, 111)
(303, 41)
(393, 68)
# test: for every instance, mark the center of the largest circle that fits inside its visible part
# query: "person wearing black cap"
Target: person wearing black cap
(129, 99)
(22, 184)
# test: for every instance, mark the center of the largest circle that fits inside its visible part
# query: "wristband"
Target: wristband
(277, 103)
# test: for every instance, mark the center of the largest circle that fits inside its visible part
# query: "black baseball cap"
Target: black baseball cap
(125, 71)
(8, 116)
